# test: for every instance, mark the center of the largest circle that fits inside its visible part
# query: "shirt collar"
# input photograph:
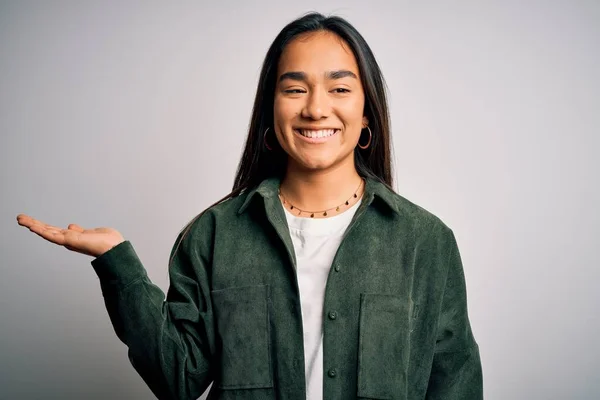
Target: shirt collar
(374, 189)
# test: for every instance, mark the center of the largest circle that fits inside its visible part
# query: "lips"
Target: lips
(316, 133)
(316, 136)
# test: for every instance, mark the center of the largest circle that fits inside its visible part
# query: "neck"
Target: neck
(319, 190)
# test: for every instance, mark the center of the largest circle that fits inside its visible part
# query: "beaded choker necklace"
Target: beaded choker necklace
(324, 213)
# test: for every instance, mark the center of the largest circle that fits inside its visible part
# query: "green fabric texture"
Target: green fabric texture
(400, 327)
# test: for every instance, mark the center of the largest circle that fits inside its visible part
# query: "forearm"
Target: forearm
(456, 375)
(164, 347)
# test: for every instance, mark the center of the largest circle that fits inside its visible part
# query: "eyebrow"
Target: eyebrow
(301, 76)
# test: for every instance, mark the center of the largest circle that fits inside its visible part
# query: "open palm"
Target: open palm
(93, 242)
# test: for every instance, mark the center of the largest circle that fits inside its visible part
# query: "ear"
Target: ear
(365, 122)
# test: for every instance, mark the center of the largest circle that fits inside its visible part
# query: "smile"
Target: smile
(316, 136)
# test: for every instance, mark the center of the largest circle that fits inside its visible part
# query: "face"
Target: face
(319, 102)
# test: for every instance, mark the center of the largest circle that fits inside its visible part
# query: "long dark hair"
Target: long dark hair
(375, 162)
(257, 163)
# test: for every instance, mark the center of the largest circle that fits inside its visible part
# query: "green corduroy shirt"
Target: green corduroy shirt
(395, 310)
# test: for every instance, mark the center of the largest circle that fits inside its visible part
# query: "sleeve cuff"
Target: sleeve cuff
(120, 264)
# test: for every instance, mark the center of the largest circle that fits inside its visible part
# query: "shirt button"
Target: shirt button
(332, 373)
(337, 267)
(332, 315)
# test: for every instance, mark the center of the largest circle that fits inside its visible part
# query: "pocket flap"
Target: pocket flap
(384, 346)
(242, 321)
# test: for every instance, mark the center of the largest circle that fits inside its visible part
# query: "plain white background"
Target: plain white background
(134, 115)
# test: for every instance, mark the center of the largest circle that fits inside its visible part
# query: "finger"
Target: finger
(27, 221)
(24, 220)
(52, 235)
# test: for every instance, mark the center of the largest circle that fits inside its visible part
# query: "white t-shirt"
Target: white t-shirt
(316, 240)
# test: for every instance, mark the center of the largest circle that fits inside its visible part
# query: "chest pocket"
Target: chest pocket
(384, 346)
(242, 319)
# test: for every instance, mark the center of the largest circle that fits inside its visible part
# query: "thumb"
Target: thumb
(75, 227)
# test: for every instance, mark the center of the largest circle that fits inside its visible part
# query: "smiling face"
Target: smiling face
(319, 102)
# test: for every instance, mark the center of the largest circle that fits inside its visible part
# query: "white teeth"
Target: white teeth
(317, 134)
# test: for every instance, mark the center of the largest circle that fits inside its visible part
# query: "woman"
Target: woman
(312, 279)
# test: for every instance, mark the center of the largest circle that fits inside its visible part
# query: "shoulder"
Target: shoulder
(432, 240)
(424, 223)
(223, 213)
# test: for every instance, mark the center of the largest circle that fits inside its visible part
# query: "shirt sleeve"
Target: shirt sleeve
(456, 371)
(170, 340)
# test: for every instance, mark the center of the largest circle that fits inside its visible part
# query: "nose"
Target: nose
(317, 105)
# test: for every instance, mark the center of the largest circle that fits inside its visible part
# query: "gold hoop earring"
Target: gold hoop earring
(265, 140)
(366, 146)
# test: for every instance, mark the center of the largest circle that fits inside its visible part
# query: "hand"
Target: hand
(93, 242)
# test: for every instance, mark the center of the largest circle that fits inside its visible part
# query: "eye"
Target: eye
(294, 91)
(341, 90)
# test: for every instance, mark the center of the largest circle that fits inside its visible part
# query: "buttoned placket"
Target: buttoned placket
(330, 303)
(275, 215)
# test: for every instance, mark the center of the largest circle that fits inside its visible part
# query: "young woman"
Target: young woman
(312, 279)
